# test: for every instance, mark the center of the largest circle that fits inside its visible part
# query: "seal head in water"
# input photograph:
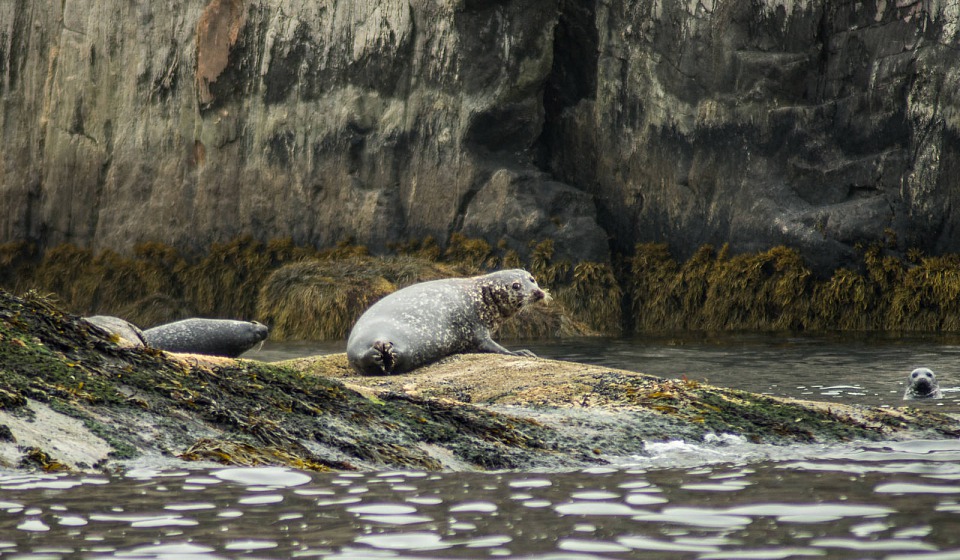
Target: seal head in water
(922, 384)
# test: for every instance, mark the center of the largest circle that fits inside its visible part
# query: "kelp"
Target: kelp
(157, 283)
(300, 292)
(321, 299)
(305, 293)
(593, 295)
(16, 258)
(773, 290)
(759, 291)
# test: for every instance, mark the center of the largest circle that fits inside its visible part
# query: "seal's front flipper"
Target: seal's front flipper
(489, 345)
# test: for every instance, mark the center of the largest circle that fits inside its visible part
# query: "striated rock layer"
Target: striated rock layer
(809, 123)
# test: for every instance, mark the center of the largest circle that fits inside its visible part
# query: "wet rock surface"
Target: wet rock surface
(73, 398)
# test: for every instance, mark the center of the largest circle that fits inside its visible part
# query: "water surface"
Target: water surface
(856, 369)
(716, 499)
(894, 500)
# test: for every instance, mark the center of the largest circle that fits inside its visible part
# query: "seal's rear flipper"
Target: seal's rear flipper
(387, 356)
(380, 359)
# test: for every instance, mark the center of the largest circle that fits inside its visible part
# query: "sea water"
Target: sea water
(716, 499)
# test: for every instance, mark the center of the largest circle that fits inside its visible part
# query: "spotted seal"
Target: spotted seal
(427, 321)
(922, 384)
(216, 337)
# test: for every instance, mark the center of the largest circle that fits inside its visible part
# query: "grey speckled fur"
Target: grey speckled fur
(425, 322)
(922, 384)
(215, 337)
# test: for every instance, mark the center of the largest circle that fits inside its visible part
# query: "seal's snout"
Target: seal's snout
(540, 295)
(260, 331)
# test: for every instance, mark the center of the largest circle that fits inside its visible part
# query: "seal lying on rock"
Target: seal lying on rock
(216, 337)
(425, 322)
(120, 327)
(922, 384)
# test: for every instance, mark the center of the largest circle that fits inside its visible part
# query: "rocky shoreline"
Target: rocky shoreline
(73, 398)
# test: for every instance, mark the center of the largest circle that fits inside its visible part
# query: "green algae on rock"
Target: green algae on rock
(666, 408)
(101, 403)
(143, 402)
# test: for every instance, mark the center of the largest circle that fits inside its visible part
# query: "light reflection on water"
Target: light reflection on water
(872, 501)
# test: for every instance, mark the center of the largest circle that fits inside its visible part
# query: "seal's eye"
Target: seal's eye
(516, 285)
(915, 374)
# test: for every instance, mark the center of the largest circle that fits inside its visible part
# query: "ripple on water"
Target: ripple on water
(725, 486)
(595, 508)
(915, 488)
(646, 543)
(697, 517)
(260, 499)
(583, 545)
(145, 521)
(171, 550)
(530, 483)
(71, 521)
(190, 506)
(382, 509)
(888, 545)
(644, 499)
(40, 483)
(810, 513)
(404, 541)
(269, 477)
(594, 495)
(33, 525)
(251, 544)
(474, 507)
(389, 514)
(779, 553)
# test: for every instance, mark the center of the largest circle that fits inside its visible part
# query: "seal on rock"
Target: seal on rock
(215, 337)
(430, 320)
(120, 327)
(922, 384)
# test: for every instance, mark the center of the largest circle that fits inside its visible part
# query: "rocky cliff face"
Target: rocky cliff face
(816, 123)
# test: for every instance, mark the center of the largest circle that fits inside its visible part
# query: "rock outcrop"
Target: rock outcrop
(73, 397)
(814, 124)
(818, 125)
